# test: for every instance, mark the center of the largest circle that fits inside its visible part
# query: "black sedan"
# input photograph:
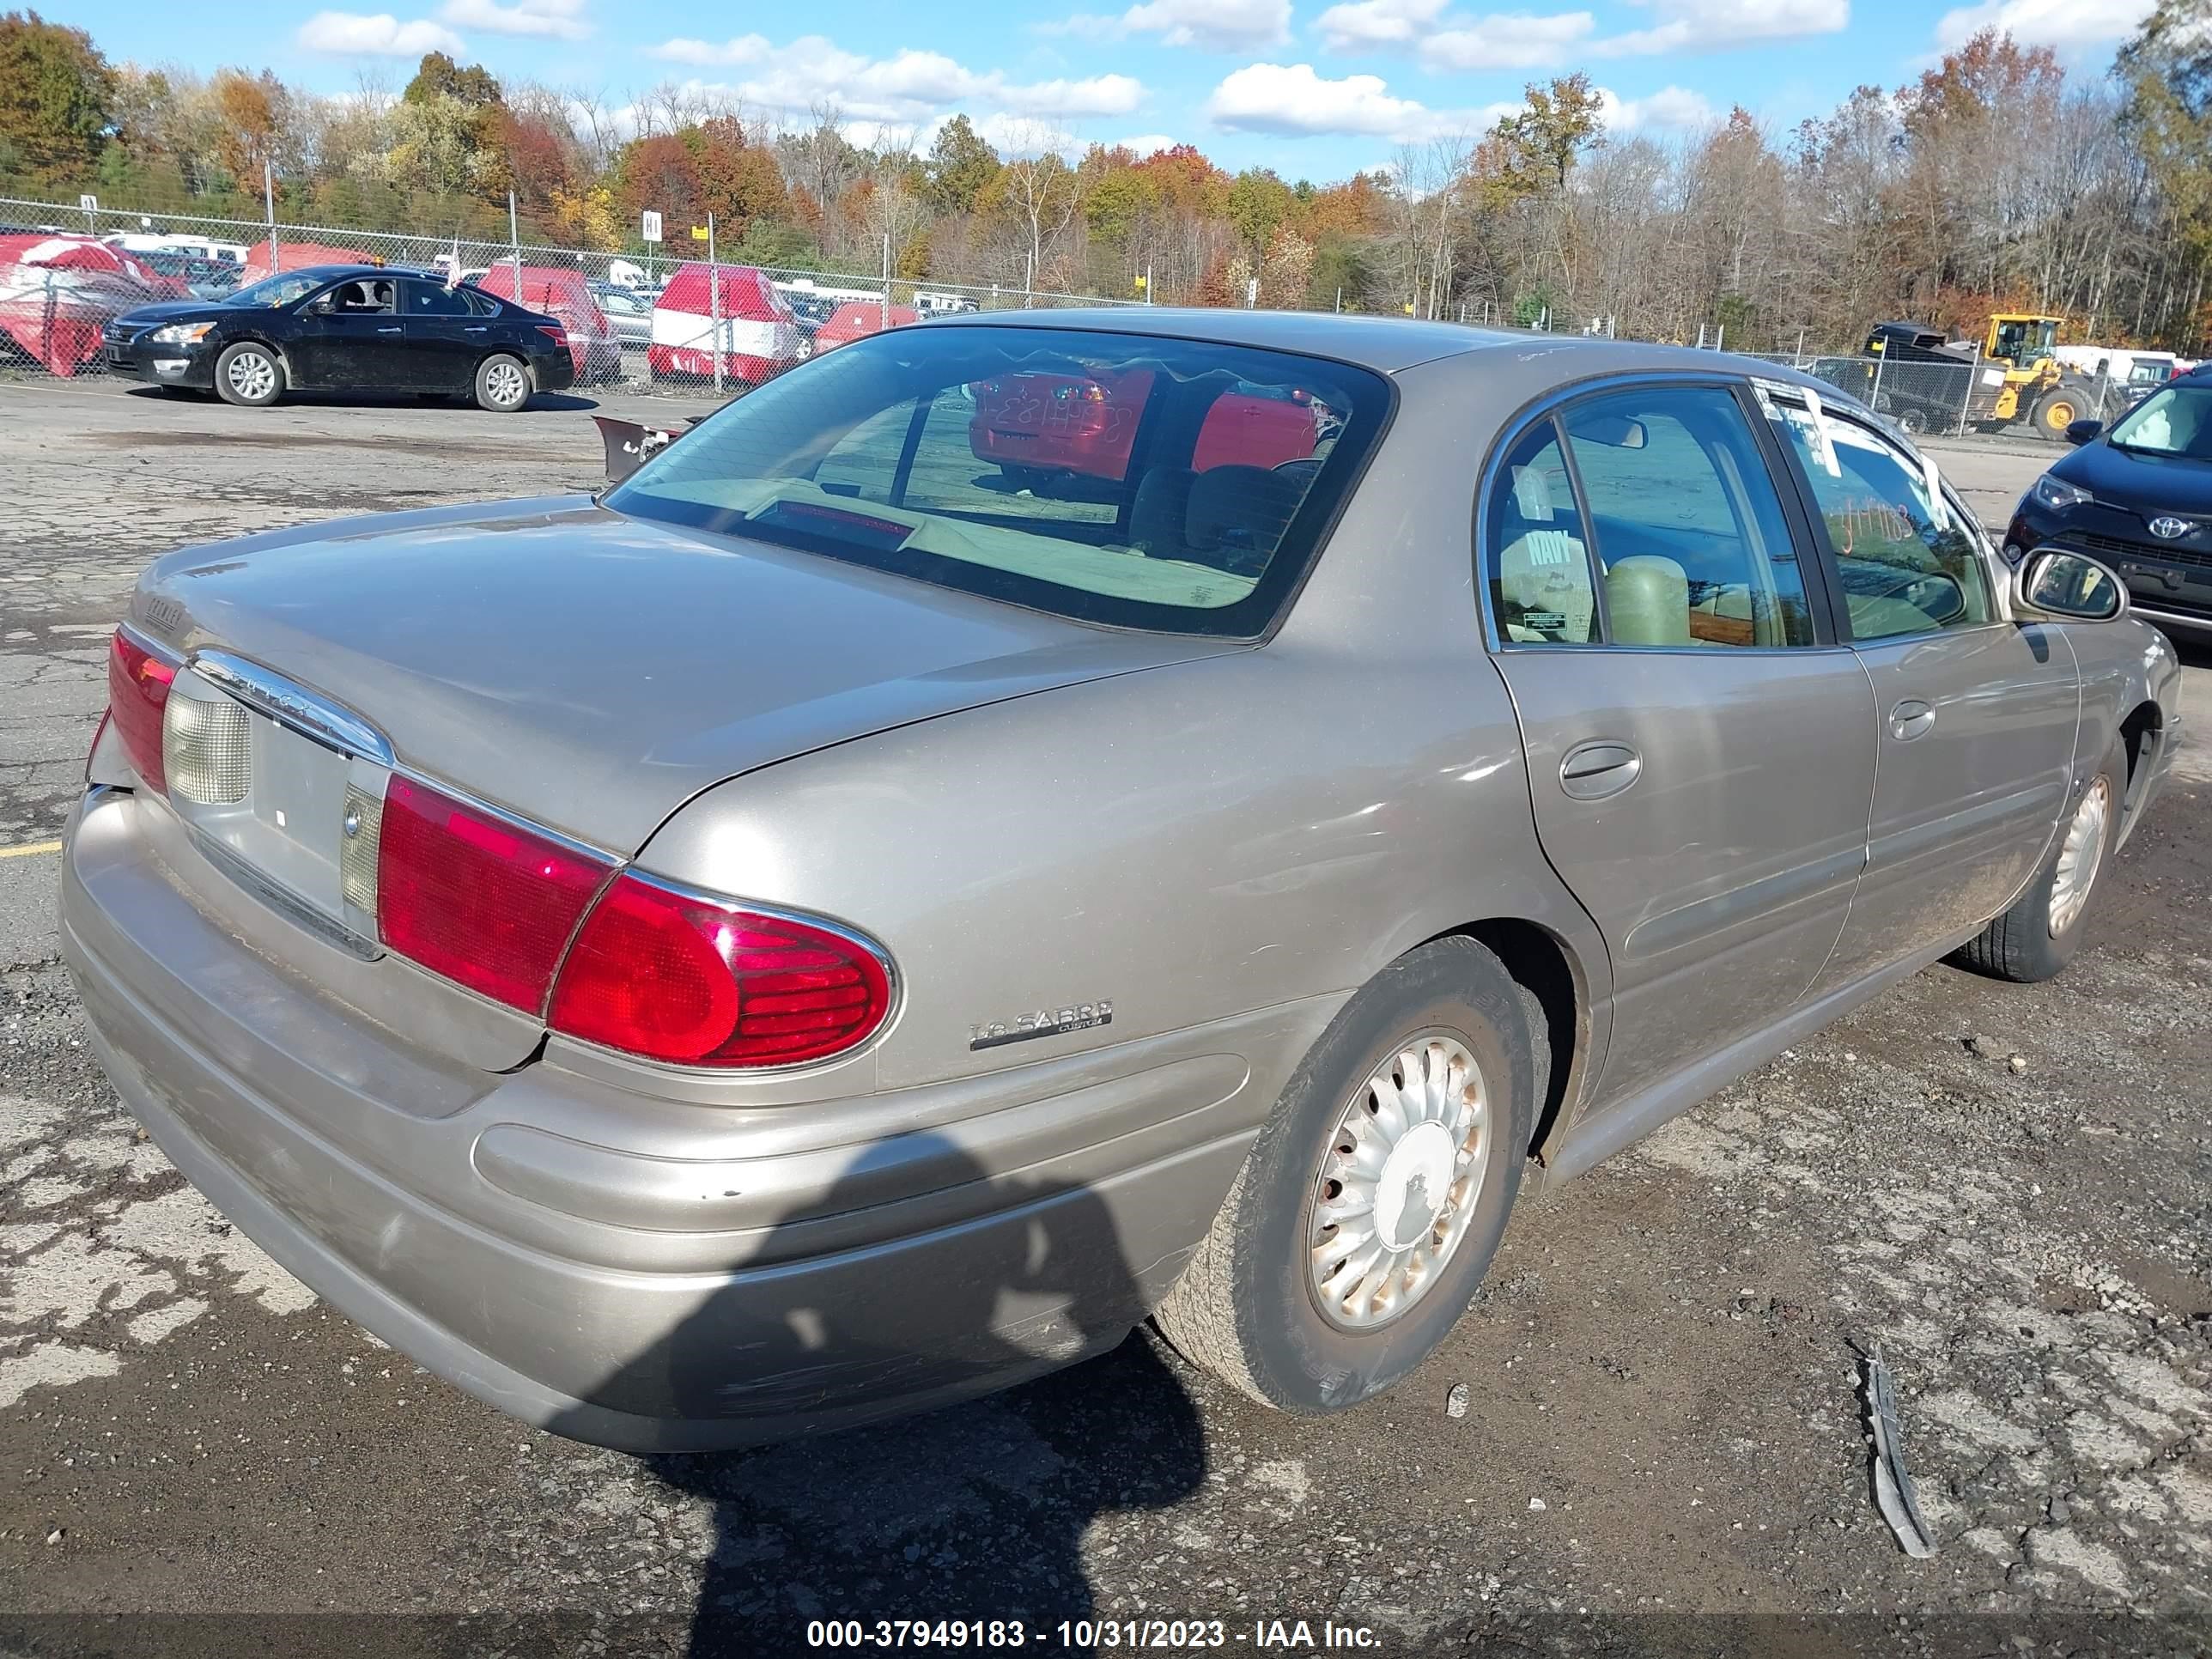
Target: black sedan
(344, 328)
(2139, 497)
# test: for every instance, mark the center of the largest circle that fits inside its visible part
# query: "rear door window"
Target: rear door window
(432, 299)
(1693, 546)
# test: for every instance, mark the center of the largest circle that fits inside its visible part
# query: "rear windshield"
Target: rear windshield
(1168, 484)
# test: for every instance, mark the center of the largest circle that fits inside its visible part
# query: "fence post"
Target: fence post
(1148, 287)
(1339, 298)
(715, 300)
(1873, 397)
(268, 206)
(1800, 360)
(887, 318)
(514, 246)
(1973, 374)
(1028, 281)
(1720, 333)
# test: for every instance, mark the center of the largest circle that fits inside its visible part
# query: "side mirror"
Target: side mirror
(2081, 432)
(2064, 586)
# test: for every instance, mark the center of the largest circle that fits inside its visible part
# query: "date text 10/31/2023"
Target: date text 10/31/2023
(1090, 1635)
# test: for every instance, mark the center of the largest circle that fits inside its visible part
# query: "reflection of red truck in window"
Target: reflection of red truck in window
(1037, 423)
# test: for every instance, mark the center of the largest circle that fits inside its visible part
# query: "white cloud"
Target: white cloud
(1228, 26)
(907, 86)
(1509, 40)
(1716, 25)
(1144, 144)
(1222, 25)
(2061, 23)
(1522, 41)
(556, 20)
(379, 34)
(1291, 98)
(1369, 23)
(1671, 108)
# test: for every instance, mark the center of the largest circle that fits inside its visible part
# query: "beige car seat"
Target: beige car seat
(1647, 601)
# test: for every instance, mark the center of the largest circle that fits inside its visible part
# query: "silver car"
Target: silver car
(827, 928)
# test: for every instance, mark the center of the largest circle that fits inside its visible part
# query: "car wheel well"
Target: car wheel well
(2141, 733)
(1540, 963)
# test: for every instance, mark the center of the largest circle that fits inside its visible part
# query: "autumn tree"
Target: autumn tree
(56, 89)
(961, 167)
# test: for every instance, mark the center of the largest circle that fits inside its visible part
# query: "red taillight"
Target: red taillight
(702, 982)
(554, 332)
(138, 691)
(483, 902)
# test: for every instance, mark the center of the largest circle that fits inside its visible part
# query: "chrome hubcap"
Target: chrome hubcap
(505, 382)
(1398, 1182)
(252, 375)
(2080, 855)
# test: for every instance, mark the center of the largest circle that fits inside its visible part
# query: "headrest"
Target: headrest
(1241, 506)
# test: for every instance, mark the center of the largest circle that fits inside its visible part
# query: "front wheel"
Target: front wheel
(249, 374)
(502, 384)
(1375, 1194)
(2040, 935)
(2055, 411)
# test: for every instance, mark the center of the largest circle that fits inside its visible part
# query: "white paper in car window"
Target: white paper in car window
(1532, 495)
(1921, 478)
(1798, 409)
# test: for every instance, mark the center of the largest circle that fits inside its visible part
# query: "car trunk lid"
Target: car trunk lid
(583, 671)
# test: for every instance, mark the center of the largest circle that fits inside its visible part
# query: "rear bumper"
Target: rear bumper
(643, 1274)
(553, 371)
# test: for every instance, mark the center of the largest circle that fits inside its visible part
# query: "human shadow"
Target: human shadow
(862, 1304)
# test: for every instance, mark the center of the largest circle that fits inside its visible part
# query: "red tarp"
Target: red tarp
(58, 292)
(563, 295)
(760, 336)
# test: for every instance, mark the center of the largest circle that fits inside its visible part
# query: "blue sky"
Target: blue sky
(1315, 88)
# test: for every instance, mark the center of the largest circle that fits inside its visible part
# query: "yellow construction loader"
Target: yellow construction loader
(2014, 376)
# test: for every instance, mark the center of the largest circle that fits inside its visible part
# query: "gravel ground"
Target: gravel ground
(2008, 1189)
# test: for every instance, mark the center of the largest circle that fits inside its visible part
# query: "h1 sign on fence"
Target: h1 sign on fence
(648, 228)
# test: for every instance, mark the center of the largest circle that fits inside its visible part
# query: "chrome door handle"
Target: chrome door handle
(475, 328)
(1593, 771)
(392, 330)
(1910, 718)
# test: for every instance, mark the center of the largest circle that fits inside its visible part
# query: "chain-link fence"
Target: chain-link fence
(1994, 399)
(654, 319)
(645, 320)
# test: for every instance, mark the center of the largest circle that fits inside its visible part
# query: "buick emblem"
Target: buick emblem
(2171, 529)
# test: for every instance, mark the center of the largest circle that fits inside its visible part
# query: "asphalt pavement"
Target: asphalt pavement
(2008, 1189)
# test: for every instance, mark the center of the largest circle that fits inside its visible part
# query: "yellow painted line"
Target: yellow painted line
(30, 849)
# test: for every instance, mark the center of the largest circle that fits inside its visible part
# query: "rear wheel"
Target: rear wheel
(1376, 1193)
(249, 374)
(2040, 935)
(502, 384)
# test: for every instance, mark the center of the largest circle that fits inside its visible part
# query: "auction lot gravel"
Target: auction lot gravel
(1664, 1449)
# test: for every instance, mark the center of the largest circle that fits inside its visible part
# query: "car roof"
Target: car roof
(335, 273)
(1390, 345)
